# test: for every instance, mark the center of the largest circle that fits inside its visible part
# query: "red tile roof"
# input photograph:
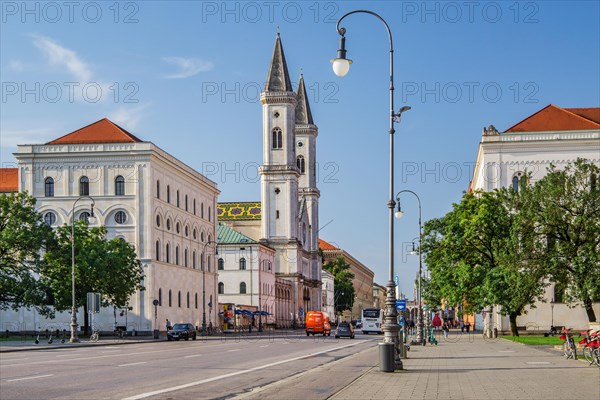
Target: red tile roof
(103, 131)
(9, 180)
(323, 245)
(553, 118)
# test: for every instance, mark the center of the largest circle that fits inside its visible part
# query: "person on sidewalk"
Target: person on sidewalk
(445, 329)
(468, 326)
(169, 326)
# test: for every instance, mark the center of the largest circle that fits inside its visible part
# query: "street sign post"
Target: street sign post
(401, 305)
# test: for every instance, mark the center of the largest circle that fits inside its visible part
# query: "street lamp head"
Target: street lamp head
(341, 65)
(91, 219)
(405, 108)
(399, 213)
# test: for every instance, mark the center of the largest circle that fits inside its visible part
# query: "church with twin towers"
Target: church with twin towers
(284, 225)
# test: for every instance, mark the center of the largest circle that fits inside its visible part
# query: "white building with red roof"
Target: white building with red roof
(553, 135)
(143, 195)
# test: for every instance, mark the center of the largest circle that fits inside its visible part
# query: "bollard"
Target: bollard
(156, 334)
(387, 362)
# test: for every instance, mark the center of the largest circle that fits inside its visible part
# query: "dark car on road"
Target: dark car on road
(182, 331)
(344, 329)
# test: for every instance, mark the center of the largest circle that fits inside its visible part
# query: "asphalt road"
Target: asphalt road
(186, 369)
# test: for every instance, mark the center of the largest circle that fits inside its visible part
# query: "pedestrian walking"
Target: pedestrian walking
(169, 326)
(468, 326)
(445, 329)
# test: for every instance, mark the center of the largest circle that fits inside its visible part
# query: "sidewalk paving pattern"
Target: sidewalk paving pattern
(474, 368)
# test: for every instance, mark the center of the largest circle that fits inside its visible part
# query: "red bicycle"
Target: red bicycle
(591, 349)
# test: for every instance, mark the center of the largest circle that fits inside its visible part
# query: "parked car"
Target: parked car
(344, 329)
(182, 331)
(358, 324)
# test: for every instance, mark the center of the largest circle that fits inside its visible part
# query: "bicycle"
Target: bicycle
(569, 349)
(591, 346)
(95, 336)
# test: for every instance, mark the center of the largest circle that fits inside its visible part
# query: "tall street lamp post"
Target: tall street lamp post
(74, 338)
(203, 265)
(399, 214)
(341, 66)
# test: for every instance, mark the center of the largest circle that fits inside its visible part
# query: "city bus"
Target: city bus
(372, 320)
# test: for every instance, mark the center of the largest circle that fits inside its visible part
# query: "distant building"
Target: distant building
(9, 180)
(553, 135)
(362, 282)
(328, 293)
(143, 195)
(379, 294)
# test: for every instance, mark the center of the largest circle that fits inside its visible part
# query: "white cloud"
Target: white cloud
(16, 65)
(63, 57)
(188, 66)
(129, 117)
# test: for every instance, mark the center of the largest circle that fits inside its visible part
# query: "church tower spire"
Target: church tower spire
(278, 79)
(303, 114)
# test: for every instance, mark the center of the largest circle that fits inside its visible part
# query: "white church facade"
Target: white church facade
(287, 217)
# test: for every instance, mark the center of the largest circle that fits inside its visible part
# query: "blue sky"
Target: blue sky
(186, 75)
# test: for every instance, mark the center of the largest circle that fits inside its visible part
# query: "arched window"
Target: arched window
(157, 250)
(177, 195)
(243, 288)
(208, 262)
(170, 298)
(158, 220)
(196, 300)
(120, 217)
(194, 206)
(84, 186)
(168, 194)
(187, 231)
(179, 299)
(185, 258)
(168, 224)
(515, 183)
(188, 299)
(202, 261)
(209, 214)
(119, 186)
(242, 263)
(186, 202)
(50, 218)
(276, 138)
(194, 234)
(177, 227)
(202, 237)
(300, 164)
(49, 187)
(85, 216)
(168, 256)
(160, 297)
(194, 259)
(221, 288)
(201, 210)
(176, 255)
(158, 189)
(221, 264)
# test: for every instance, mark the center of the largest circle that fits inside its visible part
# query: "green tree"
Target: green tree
(342, 281)
(482, 253)
(108, 267)
(23, 236)
(568, 215)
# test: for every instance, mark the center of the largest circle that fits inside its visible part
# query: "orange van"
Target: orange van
(317, 322)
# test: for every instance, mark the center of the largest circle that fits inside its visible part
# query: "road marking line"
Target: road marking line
(537, 362)
(193, 355)
(266, 345)
(229, 351)
(135, 363)
(506, 351)
(29, 377)
(220, 377)
(67, 355)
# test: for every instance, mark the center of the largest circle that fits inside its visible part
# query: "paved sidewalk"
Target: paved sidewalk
(473, 368)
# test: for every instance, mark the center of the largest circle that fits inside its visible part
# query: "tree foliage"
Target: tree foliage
(343, 288)
(23, 235)
(108, 267)
(567, 210)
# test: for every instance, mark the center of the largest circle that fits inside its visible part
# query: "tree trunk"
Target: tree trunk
(589, 309)
(513, 324)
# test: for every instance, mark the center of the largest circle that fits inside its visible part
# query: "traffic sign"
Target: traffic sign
(401, 305)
